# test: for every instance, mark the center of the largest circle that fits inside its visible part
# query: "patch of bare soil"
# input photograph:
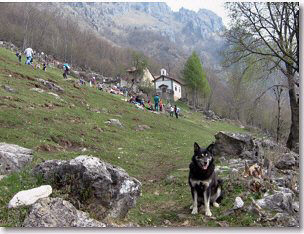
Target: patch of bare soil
(158, 171)
(48, 148)
(16, 74)
(67, 144)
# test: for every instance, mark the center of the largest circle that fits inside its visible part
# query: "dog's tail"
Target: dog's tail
(220, 183)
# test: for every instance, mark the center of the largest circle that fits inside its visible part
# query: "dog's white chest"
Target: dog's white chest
(200, 182)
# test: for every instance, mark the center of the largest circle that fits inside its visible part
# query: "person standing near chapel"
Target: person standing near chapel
(176, 111)
(156, 102)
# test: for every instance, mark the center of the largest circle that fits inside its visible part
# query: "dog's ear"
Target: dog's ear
(196, 147)
(210, 148)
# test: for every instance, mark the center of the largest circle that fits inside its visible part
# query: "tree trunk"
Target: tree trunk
(293, 138)
(193, 99)
(278, 118)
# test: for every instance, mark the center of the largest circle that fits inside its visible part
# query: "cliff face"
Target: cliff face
(153, 28)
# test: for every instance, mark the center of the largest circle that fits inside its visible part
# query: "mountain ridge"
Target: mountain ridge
(153, 28)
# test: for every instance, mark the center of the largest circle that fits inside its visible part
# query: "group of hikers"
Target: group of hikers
(158, 105)
(28, 52)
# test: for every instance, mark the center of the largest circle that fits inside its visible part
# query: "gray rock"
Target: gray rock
(238, 145)
(55, 95)
(9, 89)
(51, 85)
(232, 144)
(279, 201)
(170, 179)
(247, 154)
(238, 203)
(29, 197)
(286, 161)
(296, 206)
(104, 110)
(110, 190)
(280, 181)
(13, 157)
(285, 220)
(269, 144)
(56, 212)
(211, 115)
(142, 127)
(114, 122)
(37, 90)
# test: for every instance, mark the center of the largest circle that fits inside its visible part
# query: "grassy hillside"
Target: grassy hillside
(75, 124)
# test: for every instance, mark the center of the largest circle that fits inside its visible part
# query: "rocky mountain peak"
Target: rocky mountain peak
(152, 28)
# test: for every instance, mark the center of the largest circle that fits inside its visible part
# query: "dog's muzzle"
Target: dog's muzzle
(205, 165)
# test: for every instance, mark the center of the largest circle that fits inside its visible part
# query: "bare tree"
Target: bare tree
(270, 31)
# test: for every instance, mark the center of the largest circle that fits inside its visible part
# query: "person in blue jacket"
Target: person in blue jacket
(66, 69)
(156, 102)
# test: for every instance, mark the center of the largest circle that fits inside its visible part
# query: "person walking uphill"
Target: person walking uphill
(66, 69)
(19, 56)
(156, 102)
(29, 55)
(176, 111)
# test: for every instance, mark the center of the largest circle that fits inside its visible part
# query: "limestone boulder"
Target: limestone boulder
(51, 85)
(13, 157)
(105, 189)
(280, 201)
(9, 89)
(232, 144)
(29, 197)
(286, 161)
(238, 203)
(114, 122)
(56, 212)
(238, 145)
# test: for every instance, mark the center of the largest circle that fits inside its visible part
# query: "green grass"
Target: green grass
(64, 130)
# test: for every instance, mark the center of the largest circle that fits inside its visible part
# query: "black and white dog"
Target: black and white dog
(206, 188)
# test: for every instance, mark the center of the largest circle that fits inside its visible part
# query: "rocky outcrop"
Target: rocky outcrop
(51, 85)
(211, 115)
(29, 197)
(114, 122)
(279, 201)
(56, 212)
(105, 189)
(13, 157)
(244, 146)
(235, 145)
(200, 24)
(286, 161)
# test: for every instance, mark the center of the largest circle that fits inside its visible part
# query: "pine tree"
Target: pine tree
(195, 78)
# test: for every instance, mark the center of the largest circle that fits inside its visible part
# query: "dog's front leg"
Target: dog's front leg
(194, 205)
(207, 202)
